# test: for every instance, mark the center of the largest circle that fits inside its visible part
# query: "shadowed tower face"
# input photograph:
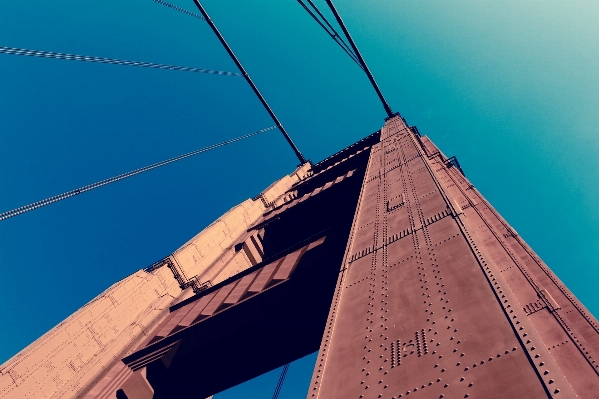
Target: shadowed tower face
(382, 257)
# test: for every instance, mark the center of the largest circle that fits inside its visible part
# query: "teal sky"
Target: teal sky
(509, 87)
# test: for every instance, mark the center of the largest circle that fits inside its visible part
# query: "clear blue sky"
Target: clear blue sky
(510, 87)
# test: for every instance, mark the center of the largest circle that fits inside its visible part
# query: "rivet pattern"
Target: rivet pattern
(413, 278)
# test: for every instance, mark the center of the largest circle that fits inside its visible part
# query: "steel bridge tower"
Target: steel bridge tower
(383, 257)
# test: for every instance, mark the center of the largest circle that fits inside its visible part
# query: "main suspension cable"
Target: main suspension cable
(72, 193)
(177, 8)
(73, 57)
(222, 40)
(329, 30)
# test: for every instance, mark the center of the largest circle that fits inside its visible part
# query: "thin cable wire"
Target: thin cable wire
(322, 16)
(184, 11)
(281, 380)
(330, 30)
(375, 86)
(72, 193)
(345, 45)
(73, 57)
(222, 40)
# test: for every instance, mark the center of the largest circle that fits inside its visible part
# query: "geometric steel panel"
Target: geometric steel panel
(439, 297)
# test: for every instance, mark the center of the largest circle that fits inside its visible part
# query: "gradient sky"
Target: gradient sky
(509, 87)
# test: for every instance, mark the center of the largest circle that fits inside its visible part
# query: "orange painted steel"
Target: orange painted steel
(438, 297)
(387, 260)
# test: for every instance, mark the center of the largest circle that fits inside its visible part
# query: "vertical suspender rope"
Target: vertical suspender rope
(357, 52)
(280, 383)
(202, 10)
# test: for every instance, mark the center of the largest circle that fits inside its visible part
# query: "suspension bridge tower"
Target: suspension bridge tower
(383, 258)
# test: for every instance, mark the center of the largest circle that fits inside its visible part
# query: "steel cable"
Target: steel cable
(72, 193)
(375, 86)
(248, 79)
(73, 57)
(281, 380)
(174, 7)
(330, 30)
